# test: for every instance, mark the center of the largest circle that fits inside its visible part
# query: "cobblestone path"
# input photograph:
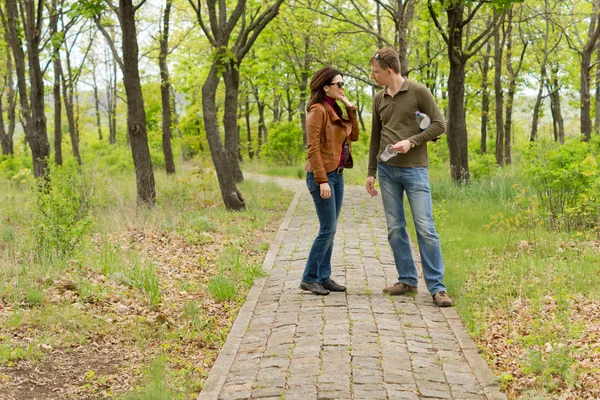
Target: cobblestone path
(290, 344)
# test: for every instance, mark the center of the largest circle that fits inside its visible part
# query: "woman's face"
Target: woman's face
(335, 89)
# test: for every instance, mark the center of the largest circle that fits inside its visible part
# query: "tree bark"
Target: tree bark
(485, 98)
(97, 104)
(32, 106)
(554, 89)
(498, 45)
(302, 88)
(457, 126)
(6, 137)
(597, 111)
(67, 89)
(165, 91)
(512, 85)
(231, 77)
(231, 196)
(248, 130)
(182, 147)
(136, 115)
(584, 74)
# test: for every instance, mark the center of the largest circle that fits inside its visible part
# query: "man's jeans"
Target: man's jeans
(318, 265)
(394, 181)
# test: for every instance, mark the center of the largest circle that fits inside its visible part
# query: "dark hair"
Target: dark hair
(387, 58)
(322, 78)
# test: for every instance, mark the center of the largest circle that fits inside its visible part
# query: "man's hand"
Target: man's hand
(371, 186)
(325, 190)
(402, 146)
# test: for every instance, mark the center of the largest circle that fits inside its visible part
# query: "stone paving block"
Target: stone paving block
(369, 392)
(360, 344)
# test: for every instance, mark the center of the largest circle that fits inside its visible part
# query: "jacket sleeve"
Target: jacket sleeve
(315, 123)
(438, 125)
(375, 138)
(352, 116)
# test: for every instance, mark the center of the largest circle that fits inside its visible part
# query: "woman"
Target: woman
(329, 134)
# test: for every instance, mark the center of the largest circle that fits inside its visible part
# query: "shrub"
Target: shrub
(482, 166)
(61, 216)
(565, 180)
(285, 145)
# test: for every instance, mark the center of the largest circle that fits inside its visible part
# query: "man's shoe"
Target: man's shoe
(332, 286)
(400, 288)
(442, 299)
(316, 288)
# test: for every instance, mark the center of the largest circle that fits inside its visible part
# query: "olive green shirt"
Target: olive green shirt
(394, 120)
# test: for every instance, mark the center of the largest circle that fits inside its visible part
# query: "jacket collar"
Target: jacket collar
(330, 113)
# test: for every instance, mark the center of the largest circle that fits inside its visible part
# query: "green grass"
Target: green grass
(109, 269)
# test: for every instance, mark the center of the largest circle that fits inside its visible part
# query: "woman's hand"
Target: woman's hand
(325, 190)
(344, 100)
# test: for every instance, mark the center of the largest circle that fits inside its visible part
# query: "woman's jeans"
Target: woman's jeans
(394, 182)
(318, 265)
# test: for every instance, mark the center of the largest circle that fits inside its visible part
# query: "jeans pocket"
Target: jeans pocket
(310, 182)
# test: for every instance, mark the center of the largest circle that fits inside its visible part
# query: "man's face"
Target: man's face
(379, 75)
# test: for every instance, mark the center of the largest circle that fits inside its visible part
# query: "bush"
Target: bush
(61, 217)
(482, 166)
(566, 182)
(285, 145)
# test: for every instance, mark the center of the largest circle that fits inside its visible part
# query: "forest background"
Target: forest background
(127, 129)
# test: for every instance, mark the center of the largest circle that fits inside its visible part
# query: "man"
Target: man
(395, 123)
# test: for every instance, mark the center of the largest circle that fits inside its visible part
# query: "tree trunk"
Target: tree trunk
(165, 92)
(6, 137)
(58, 160)
(67, 89)
(32, 108)
(111, 97)
(303, 86)
(231, 77)
(485, 98)
(584, 74)
(136, 115)
(457, 126)
(231, 196)
(584, 95)
(248, 130)
(597, 113)
(276, 107)
(498, 44)
(290, 104)
(97, 106)
(182, 148)
(554, 90)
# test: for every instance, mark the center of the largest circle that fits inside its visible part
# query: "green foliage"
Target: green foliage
(222, 288)
(155, 387)
(16, 169)
(566, 182)
(482, 166)
(143, 275)
(61, 217)
(285, 145)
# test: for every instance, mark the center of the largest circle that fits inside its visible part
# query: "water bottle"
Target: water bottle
(423, 120)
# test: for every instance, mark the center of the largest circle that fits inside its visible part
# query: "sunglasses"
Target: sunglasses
(339, 84)
(380, 58)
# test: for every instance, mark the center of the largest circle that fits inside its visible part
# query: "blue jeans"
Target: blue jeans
(318, 265)
(394, 182)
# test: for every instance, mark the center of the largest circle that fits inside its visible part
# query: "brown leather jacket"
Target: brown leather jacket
(326, 133)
